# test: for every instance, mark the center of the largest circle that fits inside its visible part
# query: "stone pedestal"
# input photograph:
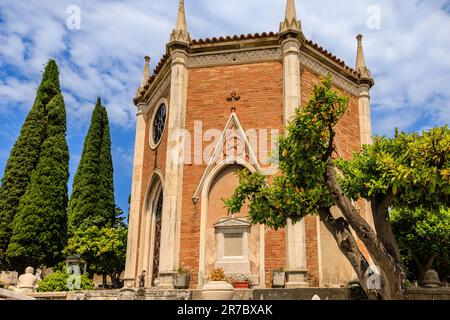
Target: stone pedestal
(296, 278)
(166, 280)
(126, 294)
(296, 274)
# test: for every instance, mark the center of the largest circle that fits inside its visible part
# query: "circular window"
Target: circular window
(158, 125)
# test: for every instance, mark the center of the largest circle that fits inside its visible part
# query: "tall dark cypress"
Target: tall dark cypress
(106, 204)
(92, 200)
(24, 156)
(40, 225)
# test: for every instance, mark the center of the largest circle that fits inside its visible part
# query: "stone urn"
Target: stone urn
(278, 279)
(217, 290)
(432, 280)
(181, 281)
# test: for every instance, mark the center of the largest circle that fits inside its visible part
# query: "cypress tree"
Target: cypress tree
(106, 200)
(24, 156)
(92, 199)
(40, 225)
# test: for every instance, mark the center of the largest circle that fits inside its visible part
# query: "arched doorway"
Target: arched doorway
(157, 237)
(231, 243)
(150, 248)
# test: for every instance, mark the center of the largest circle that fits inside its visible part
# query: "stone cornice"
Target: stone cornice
(253, 49)
(235, 57)
(341, 79)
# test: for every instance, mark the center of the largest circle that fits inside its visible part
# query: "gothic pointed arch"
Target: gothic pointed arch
(233, 146)
(150, 238)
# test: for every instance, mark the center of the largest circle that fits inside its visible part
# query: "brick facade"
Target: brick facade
(260, 87)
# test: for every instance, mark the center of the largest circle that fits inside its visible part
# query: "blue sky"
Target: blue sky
(407, 50)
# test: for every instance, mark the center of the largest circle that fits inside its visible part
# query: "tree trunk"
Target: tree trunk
(347, 244)
(424, 266)
(380, 211)
(390, 268)
(105, 282)
(115, 278)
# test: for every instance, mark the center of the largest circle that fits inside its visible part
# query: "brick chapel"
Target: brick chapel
(212, 107)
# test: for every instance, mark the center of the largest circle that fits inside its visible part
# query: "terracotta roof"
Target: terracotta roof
(332, 57)
(234, 38)
(247, 37)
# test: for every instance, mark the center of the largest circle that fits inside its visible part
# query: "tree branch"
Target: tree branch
(349, 247)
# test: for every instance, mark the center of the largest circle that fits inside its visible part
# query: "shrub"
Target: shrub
(182, 270)
(57, 282)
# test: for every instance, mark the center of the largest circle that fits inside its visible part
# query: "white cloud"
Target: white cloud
(408, 56)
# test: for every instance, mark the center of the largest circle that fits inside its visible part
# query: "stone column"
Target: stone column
(295, 233)
(365, 123)
(291, 78)
(364, 115)
(173, 182)
(136, 200)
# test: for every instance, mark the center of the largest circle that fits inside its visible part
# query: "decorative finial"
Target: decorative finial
(290, 22)
(360, 60)
(180, 33)
(146, 74)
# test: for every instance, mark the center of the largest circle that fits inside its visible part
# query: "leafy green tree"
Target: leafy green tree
(92, 200)
(24, 156)
(58, 282)
(40, 225)
(104, 250)
(400, 171)
(120, 219)
(424, 239)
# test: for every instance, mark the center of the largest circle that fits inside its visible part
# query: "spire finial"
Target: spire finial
(146, 72)
(180, 32)
(290, 22)
(290, 10)
(360, 60)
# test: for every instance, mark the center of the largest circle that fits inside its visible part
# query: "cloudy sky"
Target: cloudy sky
(407, 44)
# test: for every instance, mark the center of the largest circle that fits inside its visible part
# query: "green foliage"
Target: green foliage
(24, 155)
(104, 249)
(422, 234)
(300, 189)
(182, 270)
(120, 219)
(39, 227)
(57, 282)
(92, 200)
(413, 168)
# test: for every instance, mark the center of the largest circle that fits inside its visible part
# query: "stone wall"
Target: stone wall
(429, 294)
(242, 295)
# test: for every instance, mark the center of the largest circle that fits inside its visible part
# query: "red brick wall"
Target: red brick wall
(260, 87)
(261, 106)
